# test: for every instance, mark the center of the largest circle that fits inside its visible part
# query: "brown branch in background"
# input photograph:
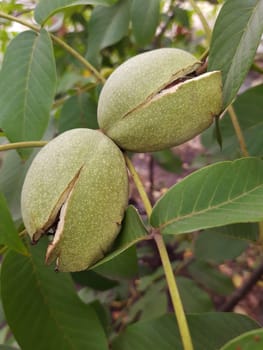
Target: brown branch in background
(163, 26)
(241, 292)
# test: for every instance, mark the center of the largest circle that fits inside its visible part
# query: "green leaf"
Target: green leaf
(124, 265)
(79, 111)
(8, 232)
(107, 26)
(248, 107)
(12, 174)
(213, 246)
(210, 277)
(103, 315)
(93, 280)
(132, 232)
(146, 306)
(194, 298)
(252, 340)
(168, 161)
(42, 307)
(69, 80)
(47, 8)
(247, 231)
(27, 88)
(182, 17)
(216, 195)
(235, 38)
(209, 331)
(145, 18)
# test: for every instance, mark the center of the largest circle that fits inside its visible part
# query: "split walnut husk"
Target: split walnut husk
(76, 189)
(156, 100)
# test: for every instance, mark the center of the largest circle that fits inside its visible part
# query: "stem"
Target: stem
(3, 250)
(202, 19)
(242, 291)
(139, 185)
(79, 57)
(68, 48)
(174, 293)
(22, 233)
(25, 144)
(170, 278)
(204, 55)
(238, 131)
(18, 20)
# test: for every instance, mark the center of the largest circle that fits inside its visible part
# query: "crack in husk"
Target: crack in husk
(176, 79)
(50, 227)
(52, 252)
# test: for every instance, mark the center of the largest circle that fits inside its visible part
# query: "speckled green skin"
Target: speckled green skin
(137, 117)
(97, 202)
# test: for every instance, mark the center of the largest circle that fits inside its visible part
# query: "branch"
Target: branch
(241, 292)
(238, 131)
(202, 19)
(68, 48)
(169, 275)
(25, 144)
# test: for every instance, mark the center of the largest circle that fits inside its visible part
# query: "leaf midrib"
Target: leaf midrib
(210, 208)
(26, 105)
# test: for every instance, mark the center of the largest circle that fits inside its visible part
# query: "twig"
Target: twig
(24, 144)
(174, 293)
(169, 275)
(238, 131)
(202, 19)
(163, 26)
(68, 48)
(139, 186)
(151, 179)
(241, 292)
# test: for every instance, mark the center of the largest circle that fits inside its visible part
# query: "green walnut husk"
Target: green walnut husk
(155, 101)
(77, 188)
